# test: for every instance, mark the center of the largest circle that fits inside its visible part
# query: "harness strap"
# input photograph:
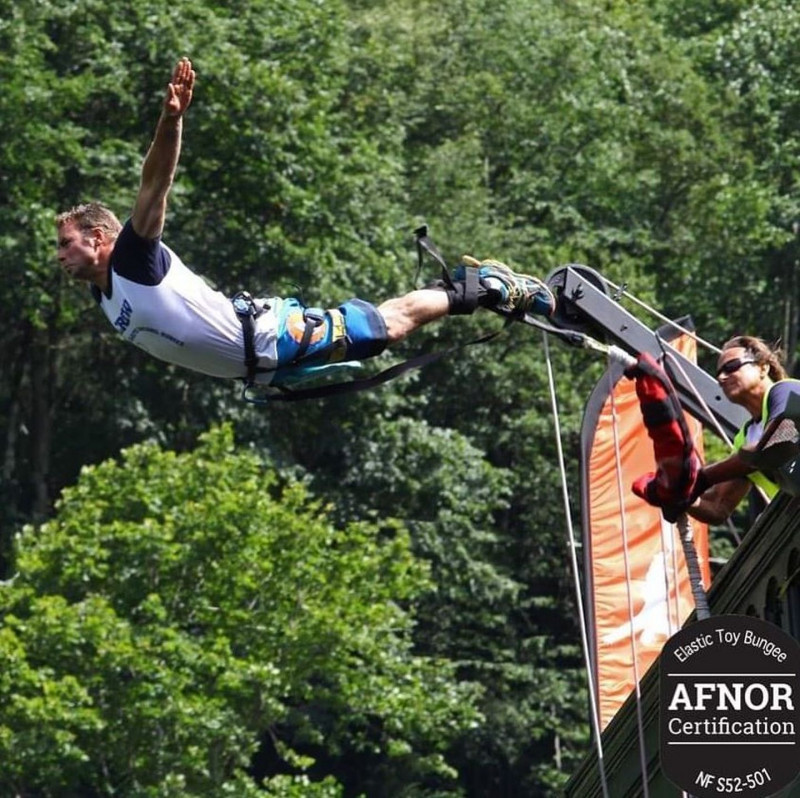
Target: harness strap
(338, 335)
(425, 245)
(247, 312)
(335, 350)
(337, 389)
(313, 319)
(466, 295)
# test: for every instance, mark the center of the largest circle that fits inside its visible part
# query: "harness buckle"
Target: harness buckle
(244, 305)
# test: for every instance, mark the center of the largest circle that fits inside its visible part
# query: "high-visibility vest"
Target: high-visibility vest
(757, 478)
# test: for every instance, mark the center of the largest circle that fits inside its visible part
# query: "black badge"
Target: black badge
(730, 707)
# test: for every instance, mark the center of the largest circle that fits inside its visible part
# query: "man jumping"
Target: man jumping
(157, 303)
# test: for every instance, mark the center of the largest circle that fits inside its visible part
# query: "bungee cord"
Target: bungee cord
(617, 355)
(685, 530)
(686, 533)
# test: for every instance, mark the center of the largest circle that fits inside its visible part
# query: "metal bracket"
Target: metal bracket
(582, 303)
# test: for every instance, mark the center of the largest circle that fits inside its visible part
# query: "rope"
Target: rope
(673, 549)
(626, 560)
(620, 291)
(669, 355)
(593, 699)
(665, 550)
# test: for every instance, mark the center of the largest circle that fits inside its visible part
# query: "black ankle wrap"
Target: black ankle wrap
(464, 295)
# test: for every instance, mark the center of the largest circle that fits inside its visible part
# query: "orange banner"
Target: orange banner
(632, 609)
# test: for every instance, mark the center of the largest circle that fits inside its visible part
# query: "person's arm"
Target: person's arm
(719, 501)
(732, 467)
(161, 161)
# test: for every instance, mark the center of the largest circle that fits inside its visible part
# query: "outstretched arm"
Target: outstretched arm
(161, 161)
(721, 485)
(719, 501)
(732, 467)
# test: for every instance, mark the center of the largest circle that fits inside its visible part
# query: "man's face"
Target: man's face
(78, 251)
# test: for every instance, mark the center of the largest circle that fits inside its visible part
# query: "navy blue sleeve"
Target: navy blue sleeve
(140, 260)
(779, 395)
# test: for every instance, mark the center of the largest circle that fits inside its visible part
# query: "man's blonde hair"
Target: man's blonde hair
(90, 216)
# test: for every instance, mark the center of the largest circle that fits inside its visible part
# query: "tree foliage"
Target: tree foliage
(653, 142)
(182, 613)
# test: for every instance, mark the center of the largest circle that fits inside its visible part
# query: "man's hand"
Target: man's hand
(179, 90)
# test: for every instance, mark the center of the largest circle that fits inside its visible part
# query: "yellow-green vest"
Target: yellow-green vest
(757, 478)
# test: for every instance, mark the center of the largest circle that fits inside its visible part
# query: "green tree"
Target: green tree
(743, 254)
(189, 625)
(652, 142)
(278, 180)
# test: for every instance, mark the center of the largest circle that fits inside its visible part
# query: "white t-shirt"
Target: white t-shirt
(161, 306)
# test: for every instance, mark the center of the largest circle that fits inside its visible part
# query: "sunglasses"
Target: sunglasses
(733, 365)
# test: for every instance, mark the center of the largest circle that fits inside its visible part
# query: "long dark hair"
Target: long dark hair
(761, 352)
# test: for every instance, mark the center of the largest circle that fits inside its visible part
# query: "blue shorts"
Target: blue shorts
(364, 331)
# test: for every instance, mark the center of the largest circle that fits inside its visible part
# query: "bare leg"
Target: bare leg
(500, 289)
(405, 314)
